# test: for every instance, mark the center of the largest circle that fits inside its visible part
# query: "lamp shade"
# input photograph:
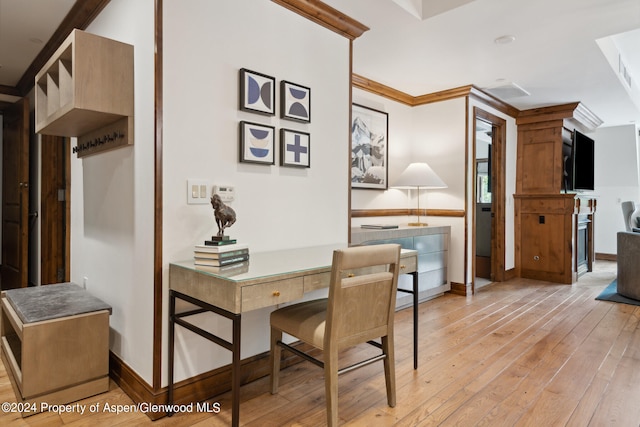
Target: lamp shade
(419, 175)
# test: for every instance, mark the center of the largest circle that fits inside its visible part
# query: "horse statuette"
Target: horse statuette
(225, 216)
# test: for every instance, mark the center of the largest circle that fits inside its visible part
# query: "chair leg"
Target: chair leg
(389, 370)
(331, 386)
(274, 355)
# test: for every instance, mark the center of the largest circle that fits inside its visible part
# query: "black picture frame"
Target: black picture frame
(295, 102)
(257, 143)
(257, 92)
(295, 148)
(369, 148)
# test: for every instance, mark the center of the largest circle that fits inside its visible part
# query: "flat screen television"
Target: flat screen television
(583, 162)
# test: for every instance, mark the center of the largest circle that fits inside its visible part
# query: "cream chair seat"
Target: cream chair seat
(360, 308)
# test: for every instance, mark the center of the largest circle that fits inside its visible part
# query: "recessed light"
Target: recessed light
(505, 39)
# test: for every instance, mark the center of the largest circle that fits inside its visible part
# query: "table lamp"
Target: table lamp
(419, 175)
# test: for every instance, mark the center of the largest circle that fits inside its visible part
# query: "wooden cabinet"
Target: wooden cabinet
(546, 218)
(85, 90)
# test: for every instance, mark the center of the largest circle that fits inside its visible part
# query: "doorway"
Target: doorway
(489, 198)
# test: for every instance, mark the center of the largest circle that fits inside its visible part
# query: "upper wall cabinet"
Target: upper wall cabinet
(85, 90)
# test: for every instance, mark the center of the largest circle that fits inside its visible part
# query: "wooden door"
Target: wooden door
(54, 210)
(15, 195)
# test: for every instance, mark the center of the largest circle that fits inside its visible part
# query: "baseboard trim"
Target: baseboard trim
(196, 389)
(606, 257)
(510, 274)
(460, 289)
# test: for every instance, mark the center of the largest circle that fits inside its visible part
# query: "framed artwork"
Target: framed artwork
(257, 92)
(295, 148)
(369, 148)
(295, 102)
(257, 143)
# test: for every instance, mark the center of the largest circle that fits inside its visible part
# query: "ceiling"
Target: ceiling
(558, 55)
(564, 50)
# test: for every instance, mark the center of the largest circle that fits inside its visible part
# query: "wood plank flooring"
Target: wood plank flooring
(518, 353)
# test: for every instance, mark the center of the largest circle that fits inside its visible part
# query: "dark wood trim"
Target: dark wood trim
(379, 89)
(498, 177)
(468, 157)
(158, 200)
(606, 257)
(348, 143)
(575, 112)
(195, 389)
(492, 101)
(510, 274)
(443, 95)
(82, 13)
(134, 385)
(460, 289)
(9, 90)
(326, 16)
(366, 213)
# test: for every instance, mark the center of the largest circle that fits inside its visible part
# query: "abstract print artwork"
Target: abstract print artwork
(369, 148)
(257, 143)
(295, 148)
(296, 102)
(257, 92)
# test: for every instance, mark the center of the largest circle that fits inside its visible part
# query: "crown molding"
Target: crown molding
(575, 112)
(382, 90)
(372, 86)
(325, 15)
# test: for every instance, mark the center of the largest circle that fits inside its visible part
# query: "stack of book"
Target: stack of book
(221, 257)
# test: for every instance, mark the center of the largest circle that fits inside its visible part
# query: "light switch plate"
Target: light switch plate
(197, 192)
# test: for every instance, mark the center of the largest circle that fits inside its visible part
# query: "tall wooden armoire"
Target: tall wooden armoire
(553, 227)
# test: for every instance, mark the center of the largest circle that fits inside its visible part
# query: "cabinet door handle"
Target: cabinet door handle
(276, 293)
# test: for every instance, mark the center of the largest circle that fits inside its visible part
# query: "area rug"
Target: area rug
(610, 294)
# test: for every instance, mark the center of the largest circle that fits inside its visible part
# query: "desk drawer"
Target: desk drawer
(272, 293)
(408, 265)
(317, 281)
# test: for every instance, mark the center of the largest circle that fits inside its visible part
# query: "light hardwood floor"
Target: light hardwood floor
(518, 353)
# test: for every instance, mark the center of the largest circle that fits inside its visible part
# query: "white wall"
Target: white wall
(205, 44)
(616, 180)
(112, 205)
(435, 133)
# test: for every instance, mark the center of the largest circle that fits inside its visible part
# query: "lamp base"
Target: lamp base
(417, 224)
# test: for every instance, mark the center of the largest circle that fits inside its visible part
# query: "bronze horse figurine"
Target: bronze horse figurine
(225, 216)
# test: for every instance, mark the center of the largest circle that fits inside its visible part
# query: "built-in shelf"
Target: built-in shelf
(85, 90)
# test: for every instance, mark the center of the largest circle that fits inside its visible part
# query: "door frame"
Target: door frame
(15, 213)
(498, 199)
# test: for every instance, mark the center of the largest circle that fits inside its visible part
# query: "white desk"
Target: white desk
(271, 278)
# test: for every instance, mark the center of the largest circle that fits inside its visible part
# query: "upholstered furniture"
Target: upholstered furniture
(629, 264)
(360, 308)
(627, 209)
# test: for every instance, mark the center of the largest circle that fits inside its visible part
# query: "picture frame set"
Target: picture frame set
(369, 148)
(258, 141)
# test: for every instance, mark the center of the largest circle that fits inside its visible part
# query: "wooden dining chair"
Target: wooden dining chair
(359, 309)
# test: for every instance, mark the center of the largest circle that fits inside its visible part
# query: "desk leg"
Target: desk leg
(235, 372)
(172, 318)
(415, 319)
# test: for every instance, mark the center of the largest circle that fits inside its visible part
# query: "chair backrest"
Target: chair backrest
(627, 210)
(362, 294)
